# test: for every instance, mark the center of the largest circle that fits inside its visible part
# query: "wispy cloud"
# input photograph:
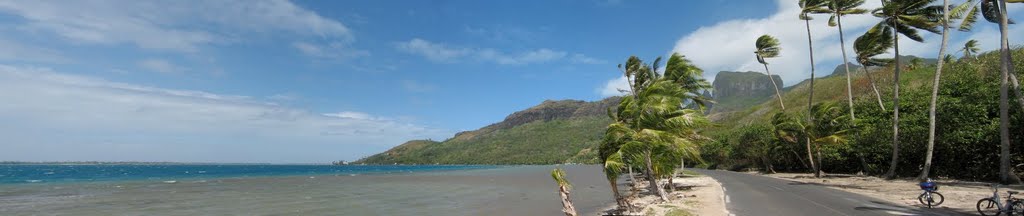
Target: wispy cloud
(16, 51)
(169, 25)
(334, 50)
(433, 51)
(57, 116)
(161, 66)
(444, 53)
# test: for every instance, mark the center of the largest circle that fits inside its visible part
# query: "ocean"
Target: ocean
(294, 190)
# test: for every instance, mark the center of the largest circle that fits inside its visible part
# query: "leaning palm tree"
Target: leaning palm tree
(970, 48)
(789, 129)
(995, 11)
(874, 42)
(839, 8)
(563, 191)
(990, 9)
(905, 17)
(830, 127)
(653, 119)
(935, 91)
(768, 47)
(808, 7)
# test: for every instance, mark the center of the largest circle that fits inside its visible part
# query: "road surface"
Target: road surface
(749, 195)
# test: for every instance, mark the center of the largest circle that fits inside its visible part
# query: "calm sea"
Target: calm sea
(14, 174)
(86, 190)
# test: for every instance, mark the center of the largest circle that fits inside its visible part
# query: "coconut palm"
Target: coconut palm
(1006, 174)
(874, 42)
(808, 7)
(839, 8)
(768, 47)
(905, 17)
(935, 90)
(994, 11)
(830, 127)
(563, 191)
(652, 124)
(970, 48)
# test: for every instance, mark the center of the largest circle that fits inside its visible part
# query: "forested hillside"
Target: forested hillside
(553, 132)
(967, 143)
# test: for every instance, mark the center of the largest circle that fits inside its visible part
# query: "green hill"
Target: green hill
(566, 131)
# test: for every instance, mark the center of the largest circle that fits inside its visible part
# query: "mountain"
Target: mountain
(737, 90)
(553, 132)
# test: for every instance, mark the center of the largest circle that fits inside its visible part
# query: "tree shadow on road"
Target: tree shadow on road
(894, 209)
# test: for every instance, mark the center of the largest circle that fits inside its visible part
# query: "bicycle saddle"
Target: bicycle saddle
(1012, 192)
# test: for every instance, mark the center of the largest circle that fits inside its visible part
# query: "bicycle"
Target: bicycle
(930, 197)
(991, 206)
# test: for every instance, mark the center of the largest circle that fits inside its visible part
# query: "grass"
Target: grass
(678, 212)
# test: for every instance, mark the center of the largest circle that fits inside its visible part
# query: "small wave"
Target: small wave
(48, 173)
(34, 181)
(171, 182)
(201, 172)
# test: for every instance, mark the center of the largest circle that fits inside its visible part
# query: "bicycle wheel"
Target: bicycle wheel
(935, 199)
(1018, 207)
(988, 207)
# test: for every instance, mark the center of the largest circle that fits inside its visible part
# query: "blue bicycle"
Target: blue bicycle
(930, 197)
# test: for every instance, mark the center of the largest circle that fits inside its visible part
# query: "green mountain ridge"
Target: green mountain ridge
(553, 132)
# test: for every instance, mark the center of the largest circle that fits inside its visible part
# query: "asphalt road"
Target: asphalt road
(748, 195)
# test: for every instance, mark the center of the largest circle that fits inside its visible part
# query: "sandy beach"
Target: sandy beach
(518, 190)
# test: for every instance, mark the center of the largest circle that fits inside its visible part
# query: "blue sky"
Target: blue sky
(315, 81)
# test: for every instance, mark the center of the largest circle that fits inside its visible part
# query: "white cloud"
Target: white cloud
(15, 51)
(444, 53)
(433, 51)
(613, 87)
(55, 116)
(162, 66)
(183, 26)
(729, 45)
(334, 50)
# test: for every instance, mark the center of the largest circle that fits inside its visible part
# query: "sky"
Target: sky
(318, 81)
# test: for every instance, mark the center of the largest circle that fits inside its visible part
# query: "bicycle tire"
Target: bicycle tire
(937, 199)
(988, 207)
(1018, 207)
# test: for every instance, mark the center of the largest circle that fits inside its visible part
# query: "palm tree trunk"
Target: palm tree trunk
(817, 172)
(935, 92)
(896, 108)
(567, 206)
(615, 192)
(652, 180)
(777, 93)
(1016, 86)
(875, 88)
(1006, 175)
(810, 97)
(810, 157)
(632, 178)
(846, 64)
(798, 158)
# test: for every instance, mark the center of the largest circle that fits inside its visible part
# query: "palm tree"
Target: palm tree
(970, 48)
(653, 122)
(830, 127)
(1006, 174)
(874, 42)
(838, 8)
(808, 7)
(935, 91)
(788, 129)
(768, 47)
(563, 191)
(904, 17)
(990, 10)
